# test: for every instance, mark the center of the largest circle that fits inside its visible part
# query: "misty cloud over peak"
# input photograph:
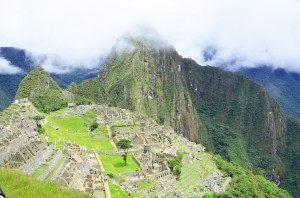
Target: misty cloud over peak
(78, 32)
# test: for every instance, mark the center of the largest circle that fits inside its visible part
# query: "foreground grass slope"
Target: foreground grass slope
(15, 184)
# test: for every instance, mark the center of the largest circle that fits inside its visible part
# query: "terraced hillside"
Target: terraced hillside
(69, 153)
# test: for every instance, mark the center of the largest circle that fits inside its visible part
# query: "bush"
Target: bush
(110, 175)
(40, 129)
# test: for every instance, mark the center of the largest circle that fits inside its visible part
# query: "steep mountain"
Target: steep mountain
(42, 91)
(22, 59)
(228, 113)
(145, 77)
(282, 85)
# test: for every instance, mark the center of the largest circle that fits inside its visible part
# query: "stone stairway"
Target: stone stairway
(52, 164)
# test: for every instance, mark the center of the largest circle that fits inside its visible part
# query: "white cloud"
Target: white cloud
(78, 31)
(7, 68)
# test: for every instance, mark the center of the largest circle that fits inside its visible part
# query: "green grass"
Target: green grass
(49, 176)
(15, 184)
(114, 164)
(40, 170)
(69, 123)
(147, 185)
(82, 138)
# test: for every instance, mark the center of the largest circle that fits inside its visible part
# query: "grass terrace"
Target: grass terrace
(147, 185)
(114, 164)
(75, 129)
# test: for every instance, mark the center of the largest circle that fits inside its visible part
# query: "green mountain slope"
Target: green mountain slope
(4, 98)
(291, 157)
(244, 123)
(42, 91)
(282, 85)
(145, 80)
(228, 113)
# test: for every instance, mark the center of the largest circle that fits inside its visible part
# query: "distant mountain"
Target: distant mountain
(42, 91)
(19, 57)
(283, 86)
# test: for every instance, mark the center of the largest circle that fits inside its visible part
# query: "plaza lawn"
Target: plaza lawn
(68, 125)
(114, 164)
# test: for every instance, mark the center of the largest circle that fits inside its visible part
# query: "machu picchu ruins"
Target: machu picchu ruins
(75, 166)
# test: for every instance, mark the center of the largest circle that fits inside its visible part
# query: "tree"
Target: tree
(94, 126)
(125, 145)
(37, 119)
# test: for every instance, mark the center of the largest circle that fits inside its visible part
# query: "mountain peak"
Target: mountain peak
(140, 37)
(41, 90)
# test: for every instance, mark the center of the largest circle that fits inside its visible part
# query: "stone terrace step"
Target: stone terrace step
(38, 160)
(12, 148)
(54, 161)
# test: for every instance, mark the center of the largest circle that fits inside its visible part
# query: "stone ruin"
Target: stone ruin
(82, 171)
(151, 148)
(22, 149)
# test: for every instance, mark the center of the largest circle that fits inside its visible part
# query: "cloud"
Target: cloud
(243, 33)
(54, 63)
(7, 68)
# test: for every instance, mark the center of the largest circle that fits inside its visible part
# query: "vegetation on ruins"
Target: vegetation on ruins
(37, 119)
(124, 144)
(175, 164)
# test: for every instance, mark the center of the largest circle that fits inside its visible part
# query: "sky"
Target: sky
(228, 33)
